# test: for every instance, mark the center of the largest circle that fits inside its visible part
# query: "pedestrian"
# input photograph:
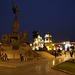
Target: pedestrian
(25, 58)
(21, 57)
(71, 53)
(55, 53)
(5, 56)
(65, 53)
(2, 57)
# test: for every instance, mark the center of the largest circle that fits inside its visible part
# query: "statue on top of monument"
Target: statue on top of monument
(15, 10)
(15, 24)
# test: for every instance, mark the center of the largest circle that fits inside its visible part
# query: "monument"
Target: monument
(14, 43)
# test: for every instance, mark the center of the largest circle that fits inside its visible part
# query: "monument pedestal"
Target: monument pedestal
(14, 37)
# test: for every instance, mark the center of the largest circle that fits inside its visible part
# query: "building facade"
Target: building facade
(39, 43)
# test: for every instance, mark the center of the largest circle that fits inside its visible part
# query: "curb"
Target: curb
(8, 66)
(63, 71)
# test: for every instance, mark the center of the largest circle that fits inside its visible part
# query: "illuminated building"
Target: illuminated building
(38, 43)
(64, 46)
(48, 38)
(48, 41)
(67, 46)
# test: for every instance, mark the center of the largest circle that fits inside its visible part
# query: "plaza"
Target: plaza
(35, 67)
(24, 51)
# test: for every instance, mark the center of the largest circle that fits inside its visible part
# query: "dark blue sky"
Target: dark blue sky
(54, 16)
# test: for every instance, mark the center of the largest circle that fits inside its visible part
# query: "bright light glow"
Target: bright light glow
(39, 36)
(46, 41)
(31, 45)
(54, 48)
(53, 62)
(67, 45)
(72, 45)
(37, 48)
(50, 36)
(60, 48)
(52, 44)
(48, 48)
(33, 48)
(47, 35)
(41, 45)
(36, 41)
(64, 42)
(59, 45)
(57, 48)
(50, 41)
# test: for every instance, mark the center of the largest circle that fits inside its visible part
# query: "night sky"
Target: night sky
(54, 16)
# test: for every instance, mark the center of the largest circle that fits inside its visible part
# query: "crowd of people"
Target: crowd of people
(58, 52)
(3, 57)
(71, 53)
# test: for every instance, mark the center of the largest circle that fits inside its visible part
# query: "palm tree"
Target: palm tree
(35, 34)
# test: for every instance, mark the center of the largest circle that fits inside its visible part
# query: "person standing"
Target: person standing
(65, 53)
(55, 54)
(2, 57)
(21, 57)
(72, 53)
(5, 56)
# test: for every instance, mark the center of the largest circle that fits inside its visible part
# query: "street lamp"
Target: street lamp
(30, 44)
(59, 45)
(52, 44)
(64, 42)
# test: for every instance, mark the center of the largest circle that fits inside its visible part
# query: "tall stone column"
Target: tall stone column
(15, 25)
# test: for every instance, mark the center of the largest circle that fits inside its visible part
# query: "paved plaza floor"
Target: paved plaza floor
(37, 67)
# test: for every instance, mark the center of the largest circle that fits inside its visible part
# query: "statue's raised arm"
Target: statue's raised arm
(15, 10)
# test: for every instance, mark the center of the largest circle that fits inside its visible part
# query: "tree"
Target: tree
(35, 34)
